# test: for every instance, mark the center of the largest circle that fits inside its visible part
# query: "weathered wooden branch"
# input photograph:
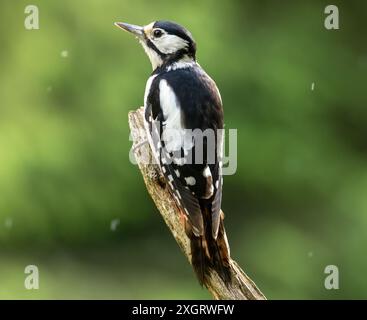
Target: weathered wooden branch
(242, 287)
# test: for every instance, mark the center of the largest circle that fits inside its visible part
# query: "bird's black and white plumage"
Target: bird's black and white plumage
(184, 118)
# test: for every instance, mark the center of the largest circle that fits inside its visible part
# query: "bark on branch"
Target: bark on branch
(242, 287)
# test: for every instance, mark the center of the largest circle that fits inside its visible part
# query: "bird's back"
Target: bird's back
(188, 99)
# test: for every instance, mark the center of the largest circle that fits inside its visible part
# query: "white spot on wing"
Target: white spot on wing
(177, 173)
(190, 181)
(206, 172)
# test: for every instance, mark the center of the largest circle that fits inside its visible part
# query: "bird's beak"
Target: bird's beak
(135, 30)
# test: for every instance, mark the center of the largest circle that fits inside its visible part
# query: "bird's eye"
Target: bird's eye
(157, 33)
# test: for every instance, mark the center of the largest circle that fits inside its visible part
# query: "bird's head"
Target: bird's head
(164, 42)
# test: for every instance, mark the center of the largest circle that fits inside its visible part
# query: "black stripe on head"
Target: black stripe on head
(151, 45)
(179, 31)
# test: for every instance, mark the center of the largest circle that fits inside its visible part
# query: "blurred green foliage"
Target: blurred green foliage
(296, 204)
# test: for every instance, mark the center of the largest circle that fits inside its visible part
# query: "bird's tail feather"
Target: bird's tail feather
(199, 258)
(208, 253)
(219, 251)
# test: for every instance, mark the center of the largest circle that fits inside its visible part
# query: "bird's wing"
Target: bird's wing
(156, 126)
(175, 102)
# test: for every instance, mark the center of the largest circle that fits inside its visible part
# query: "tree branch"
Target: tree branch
(242, 287)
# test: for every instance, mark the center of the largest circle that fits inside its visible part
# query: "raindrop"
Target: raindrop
(64, 54)
(8, 223)
(114, 224)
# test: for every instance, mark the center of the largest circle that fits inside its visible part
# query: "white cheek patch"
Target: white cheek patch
(169, 43)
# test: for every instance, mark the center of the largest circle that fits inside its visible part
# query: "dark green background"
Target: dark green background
(296, 204)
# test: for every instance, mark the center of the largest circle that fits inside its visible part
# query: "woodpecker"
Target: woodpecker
(180, 98)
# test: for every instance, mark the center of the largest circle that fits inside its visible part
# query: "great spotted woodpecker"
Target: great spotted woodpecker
(181, 101)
